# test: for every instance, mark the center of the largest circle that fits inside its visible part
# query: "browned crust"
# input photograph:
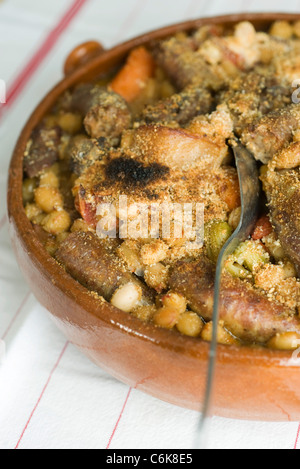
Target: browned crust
(272, 133)
(180, 108)
(106, 113)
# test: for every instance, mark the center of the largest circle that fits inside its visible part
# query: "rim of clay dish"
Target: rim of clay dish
(72, 289)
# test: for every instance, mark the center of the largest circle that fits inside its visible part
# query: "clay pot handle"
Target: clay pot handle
(81, 55)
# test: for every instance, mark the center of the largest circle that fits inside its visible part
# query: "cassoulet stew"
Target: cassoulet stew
(156, 134)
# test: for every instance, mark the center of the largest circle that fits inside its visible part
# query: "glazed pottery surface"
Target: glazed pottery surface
(251, 383)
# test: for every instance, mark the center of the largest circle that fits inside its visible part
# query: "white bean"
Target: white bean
(285, 341)
(127, 297)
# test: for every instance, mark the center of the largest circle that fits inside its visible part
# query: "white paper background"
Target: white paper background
(50, 395)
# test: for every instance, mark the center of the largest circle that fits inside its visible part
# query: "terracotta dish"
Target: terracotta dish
(251, 383)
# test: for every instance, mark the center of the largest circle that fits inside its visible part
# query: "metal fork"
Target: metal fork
(250, 191)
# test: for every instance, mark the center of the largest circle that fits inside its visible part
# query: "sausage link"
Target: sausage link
(247, 313)
(89, 261)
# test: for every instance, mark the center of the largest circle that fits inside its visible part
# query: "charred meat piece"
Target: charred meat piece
(179, 108)
(121, 176)
(42, 150)
(177, 148)
(106, 113)
(155, 184)
(272, 133)
(158, 164)
(133, 173)
(84, 152)
(283, 193)
(247, 313)
(253, 95)
(87, 259)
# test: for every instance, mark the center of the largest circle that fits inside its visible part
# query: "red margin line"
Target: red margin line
(16, 315)
(48, 44)
(42, 393)
(297, 437)
(118, 421)
(24, 76)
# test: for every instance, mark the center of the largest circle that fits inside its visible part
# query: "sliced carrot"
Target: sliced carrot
(262, 228)
(131, 79)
